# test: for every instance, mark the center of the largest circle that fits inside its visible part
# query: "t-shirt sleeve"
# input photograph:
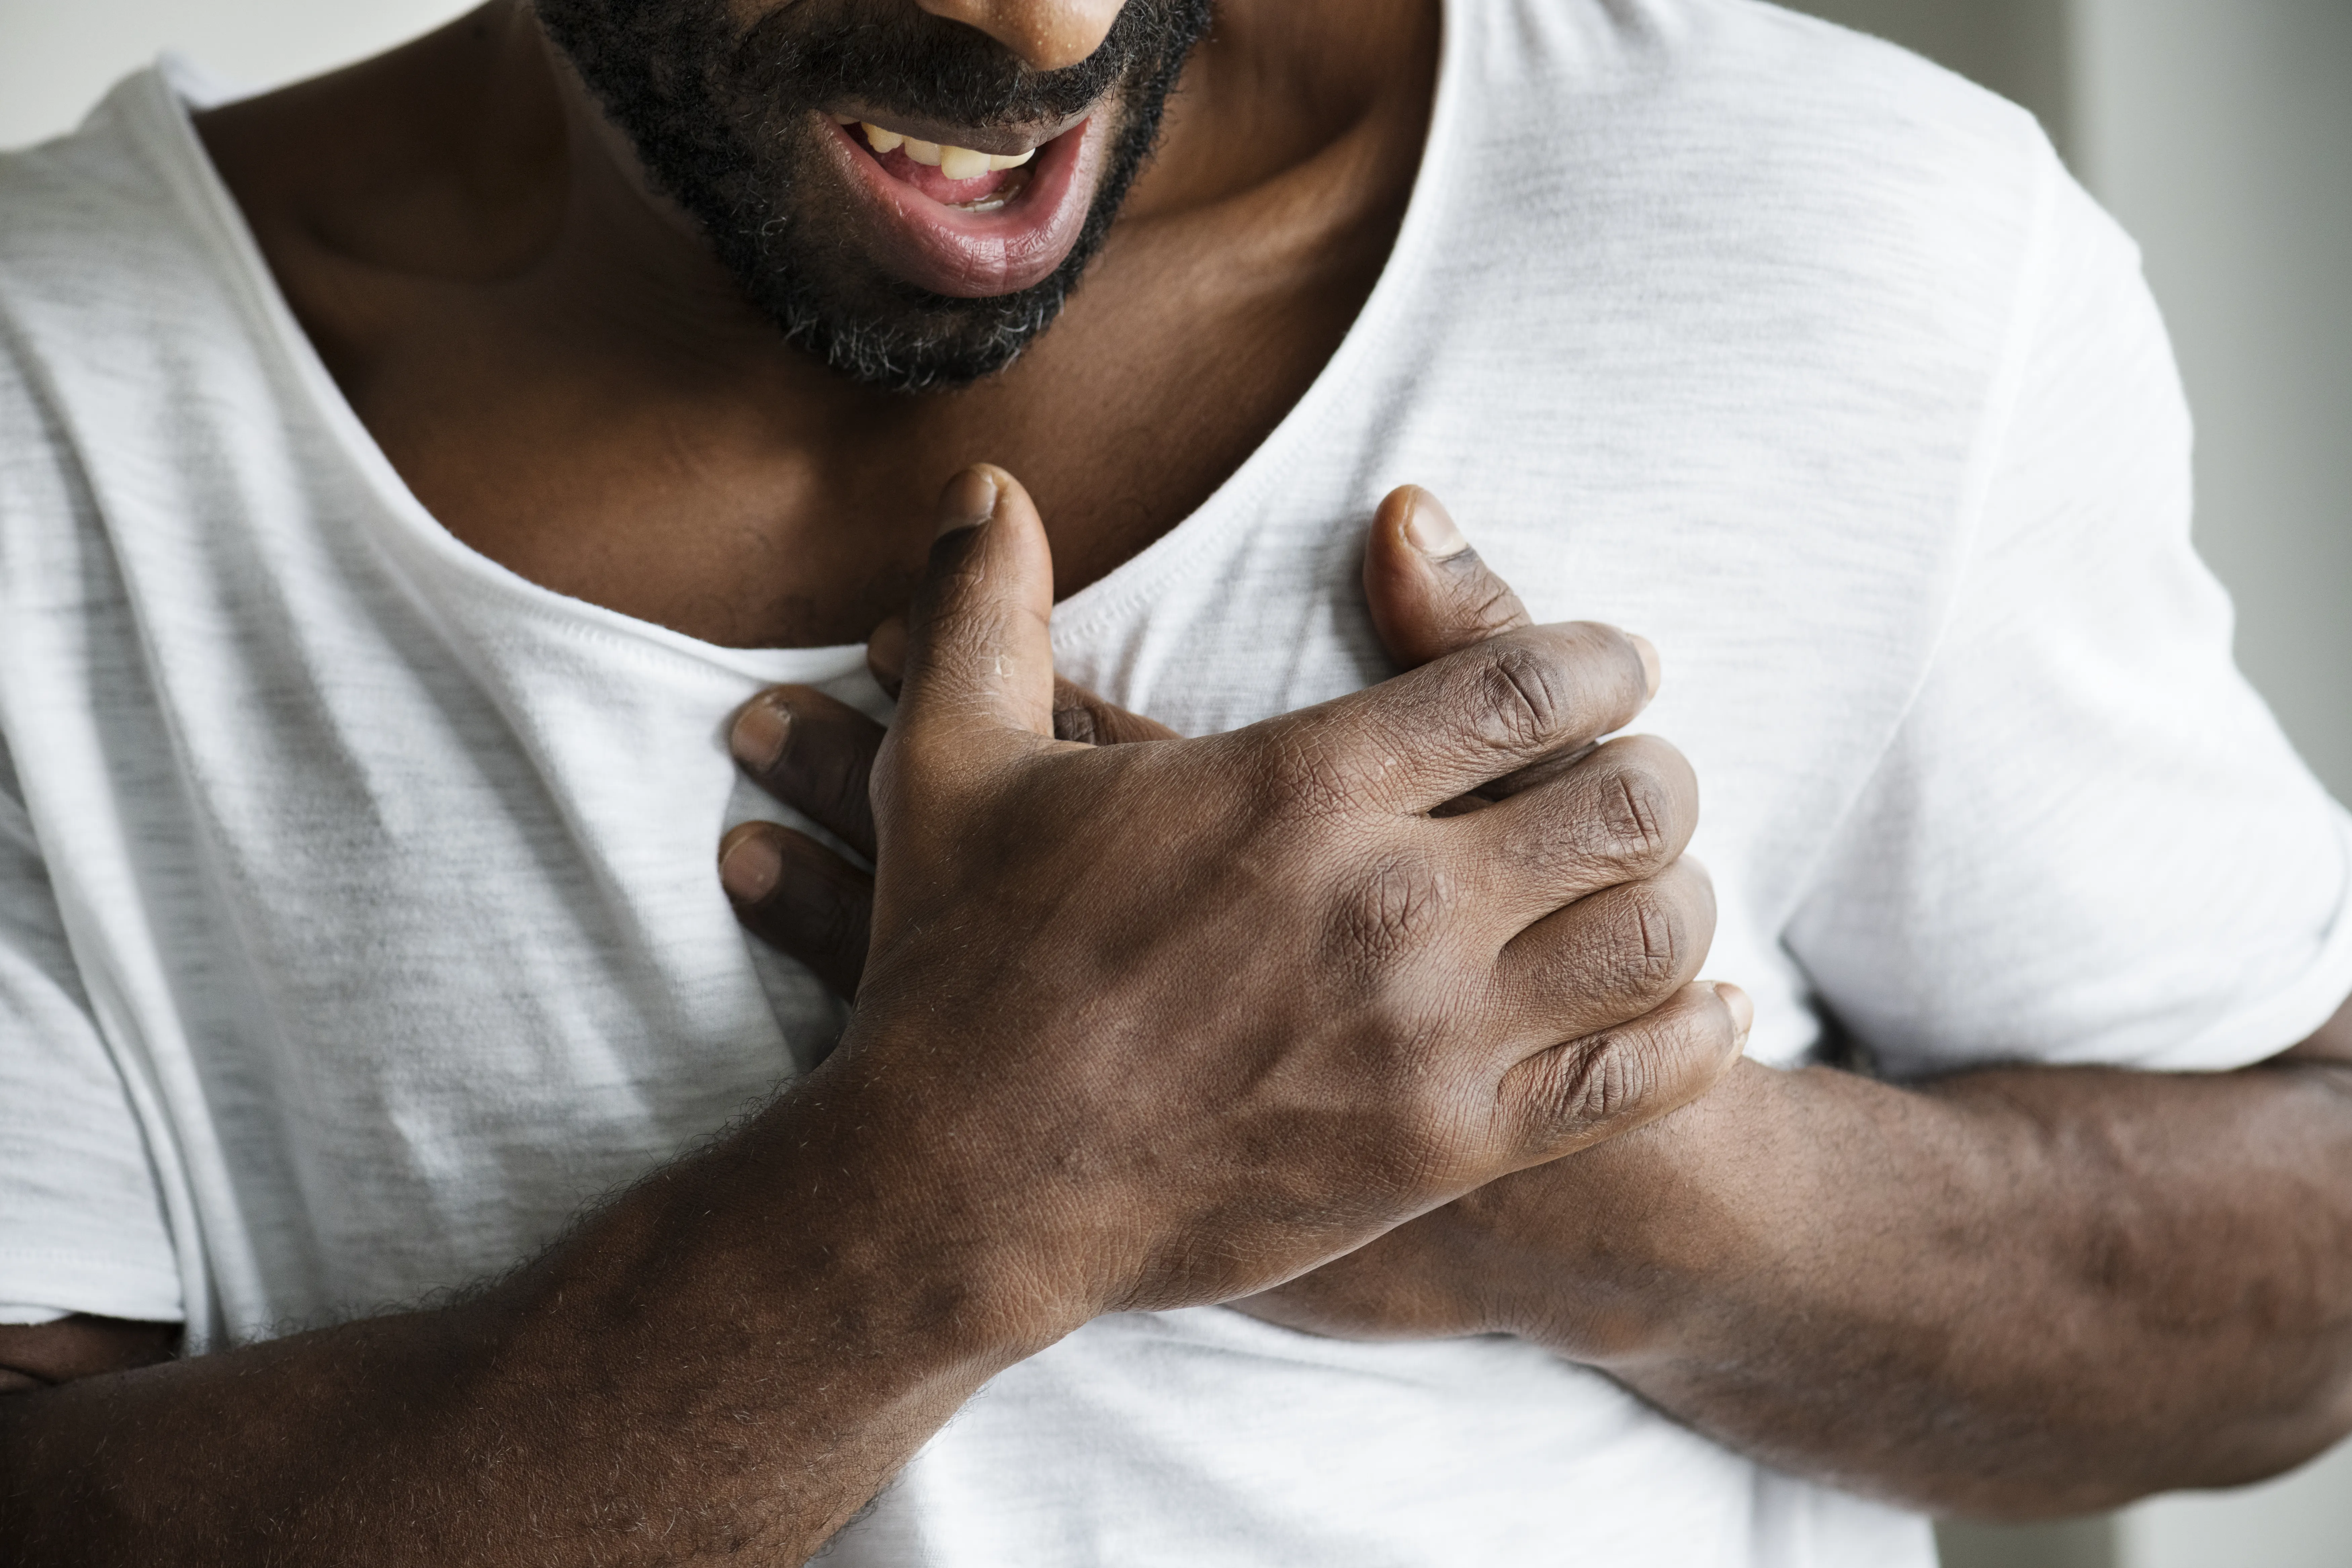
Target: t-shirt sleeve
(2088, 841)
(82, 1227)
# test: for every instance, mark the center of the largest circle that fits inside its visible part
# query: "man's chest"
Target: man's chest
(451, 942)
(757, 499)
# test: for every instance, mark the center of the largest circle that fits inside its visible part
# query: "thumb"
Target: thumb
(1078, 714)
(1429, 593)
(979, 664)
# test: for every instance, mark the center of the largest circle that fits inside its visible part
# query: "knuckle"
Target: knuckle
(1633, 819)
(1518, 697)
(1393, 907)
(1653, 939)
(1482, 608)
(1302, 780)
(1642, 820)
(1075, 721)
(1604, 1078)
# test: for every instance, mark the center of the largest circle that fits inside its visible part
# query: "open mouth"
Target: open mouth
(964, 178)
(969, 222)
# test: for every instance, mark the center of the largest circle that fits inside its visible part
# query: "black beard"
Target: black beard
(718, 115)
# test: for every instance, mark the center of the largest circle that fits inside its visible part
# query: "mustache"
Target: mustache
(913, 63)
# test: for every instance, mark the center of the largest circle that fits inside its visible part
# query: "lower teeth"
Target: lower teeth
(1015, 183)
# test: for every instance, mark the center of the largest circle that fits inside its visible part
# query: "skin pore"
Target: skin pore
(550, 357)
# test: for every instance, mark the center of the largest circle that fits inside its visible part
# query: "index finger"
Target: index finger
(1413, 743)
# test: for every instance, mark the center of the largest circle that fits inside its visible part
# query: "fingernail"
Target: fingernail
(1653, 672)
(749, 866)
(759, 734)
(1743, 1008)
(886, 650)
(1431, 529)
(967, 502)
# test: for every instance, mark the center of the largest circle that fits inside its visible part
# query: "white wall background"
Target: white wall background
(2219, 131)
(57, 57)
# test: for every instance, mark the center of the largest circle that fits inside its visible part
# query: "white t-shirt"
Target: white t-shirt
(358, 921)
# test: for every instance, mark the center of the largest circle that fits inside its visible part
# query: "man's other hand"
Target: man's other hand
(1600, 836)
(41, 1355)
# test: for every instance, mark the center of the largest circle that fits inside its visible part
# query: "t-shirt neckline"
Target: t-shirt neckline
(170, 90)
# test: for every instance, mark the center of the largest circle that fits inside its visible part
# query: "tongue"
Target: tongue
(938, 186)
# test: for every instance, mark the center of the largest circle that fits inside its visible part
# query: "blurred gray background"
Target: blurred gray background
(2219, 131)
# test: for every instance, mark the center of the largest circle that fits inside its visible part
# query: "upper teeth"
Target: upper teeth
(955, 162)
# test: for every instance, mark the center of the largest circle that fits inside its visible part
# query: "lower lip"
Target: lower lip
(973, 255)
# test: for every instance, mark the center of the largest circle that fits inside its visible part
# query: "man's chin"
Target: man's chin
(890, 337)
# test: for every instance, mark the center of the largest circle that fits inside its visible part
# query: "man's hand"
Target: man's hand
(1949, 1295)
(1299, 1007)
(42, 1355)
(1429, 594)
(1624, 810)
(1337, 1009)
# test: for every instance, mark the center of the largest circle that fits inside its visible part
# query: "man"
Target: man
(411, 479)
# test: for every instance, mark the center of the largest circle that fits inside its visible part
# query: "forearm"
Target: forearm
(2018, 1292)
(736, 1356)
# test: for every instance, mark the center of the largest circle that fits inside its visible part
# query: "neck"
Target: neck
(550, 356)
(493, 159)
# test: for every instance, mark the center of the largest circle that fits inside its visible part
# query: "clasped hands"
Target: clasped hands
(1270, 1017)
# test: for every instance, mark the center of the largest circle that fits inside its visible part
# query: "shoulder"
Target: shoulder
(128, 303)
(112, 247)
(1746, 83)
(129, 361)
(1722, 150)
(98, 174)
